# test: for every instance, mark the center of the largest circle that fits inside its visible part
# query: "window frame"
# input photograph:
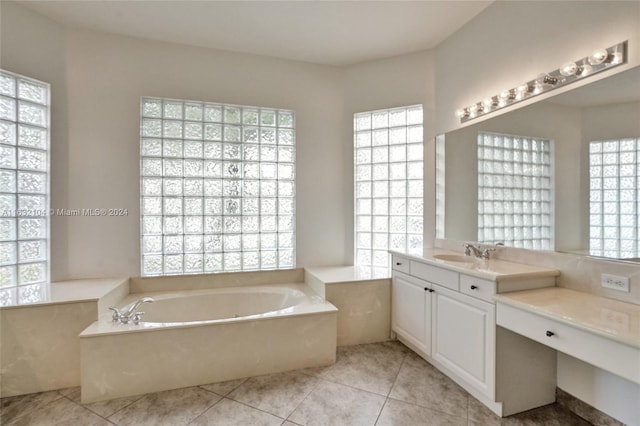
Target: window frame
(366, 219)
(600, 159)
(278, 139)
(510, 235)
(35, 290)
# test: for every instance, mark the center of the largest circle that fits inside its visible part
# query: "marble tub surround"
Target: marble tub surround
(218, 280)
(375, 384)
(39, 343)
(362, 296)
(100, 290)
(298, 336)
(183, 308)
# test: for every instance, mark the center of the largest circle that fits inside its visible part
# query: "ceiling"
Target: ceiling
(324, 32)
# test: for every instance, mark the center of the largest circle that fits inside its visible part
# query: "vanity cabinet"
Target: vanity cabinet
(411, 310)
(463, 337)
(447, 315)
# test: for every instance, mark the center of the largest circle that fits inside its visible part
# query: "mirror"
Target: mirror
(606, 110)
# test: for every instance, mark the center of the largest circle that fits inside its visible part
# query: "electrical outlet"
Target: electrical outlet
(615, 282)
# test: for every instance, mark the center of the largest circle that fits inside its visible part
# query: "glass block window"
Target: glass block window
(217, 187)
(515, 191)
(388, 157)
(24, 188)
(614, 198)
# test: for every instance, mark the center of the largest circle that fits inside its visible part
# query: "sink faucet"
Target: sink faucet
(131, 314)
(483, 253)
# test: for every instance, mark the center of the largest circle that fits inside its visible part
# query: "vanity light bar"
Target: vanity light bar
(599, 60)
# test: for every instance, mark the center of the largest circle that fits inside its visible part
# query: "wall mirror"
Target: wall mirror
(561, 174)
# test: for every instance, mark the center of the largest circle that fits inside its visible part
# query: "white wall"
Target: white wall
(96, 163)
(399, 81)
(35, 46)
(512, 42)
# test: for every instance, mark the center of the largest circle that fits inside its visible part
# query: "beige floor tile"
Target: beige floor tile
(232, 413)
(398, 413)
(61, 412)
(335, 404)
(103, 408)
(278, 394)
(420, 383)
(371, 367)
(480, 414)
(549, 415)
(176, 407)
(223, 388)
(16, 406)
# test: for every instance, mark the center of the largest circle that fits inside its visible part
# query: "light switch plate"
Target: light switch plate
(615, 282)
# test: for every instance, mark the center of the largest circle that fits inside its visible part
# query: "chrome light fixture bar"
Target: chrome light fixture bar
(599, 60)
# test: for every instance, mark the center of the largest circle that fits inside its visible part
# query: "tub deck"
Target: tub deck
(120, 360)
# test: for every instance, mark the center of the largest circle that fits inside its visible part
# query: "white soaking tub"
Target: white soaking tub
(194, 337)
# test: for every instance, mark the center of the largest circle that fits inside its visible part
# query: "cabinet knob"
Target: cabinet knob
(426, 289)
(550, 333)
(474, 287)
(398, 263)
(431, 290)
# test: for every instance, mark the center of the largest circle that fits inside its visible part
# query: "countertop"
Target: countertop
(609, 318)
(344, 274)
(493, 269)
(73, 291)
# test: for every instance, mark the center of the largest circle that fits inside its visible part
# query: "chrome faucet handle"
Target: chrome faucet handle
(135, 318)
(117, 316)
(467, 249)
(486, 253)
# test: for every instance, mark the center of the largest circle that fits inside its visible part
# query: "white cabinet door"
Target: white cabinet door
(463, 337)
(410, 310)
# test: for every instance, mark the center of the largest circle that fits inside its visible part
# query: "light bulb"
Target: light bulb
(489, 102)
(537, 88)
(461, 113)
(569, 69)
(598, 57)
(507, 95)
(586, 69)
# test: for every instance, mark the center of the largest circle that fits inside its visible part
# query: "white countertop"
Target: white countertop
(343, 274)
(609, 318)
(493, 269)
(73, 291)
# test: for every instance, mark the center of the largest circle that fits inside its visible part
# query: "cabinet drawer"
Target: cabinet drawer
(435, 275)
(476, 287)
(400, 264)
(586, 346)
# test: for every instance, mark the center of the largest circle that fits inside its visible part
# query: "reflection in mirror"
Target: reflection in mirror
(561, 174)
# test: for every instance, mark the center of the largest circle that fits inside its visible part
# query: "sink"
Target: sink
(456, 258)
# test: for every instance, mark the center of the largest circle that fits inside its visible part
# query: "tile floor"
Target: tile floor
(376, 384)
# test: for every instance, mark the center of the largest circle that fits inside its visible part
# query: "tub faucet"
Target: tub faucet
(483, 253)
(131, 314)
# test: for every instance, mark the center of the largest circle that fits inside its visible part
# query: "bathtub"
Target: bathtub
(200, 336)
(219, 304)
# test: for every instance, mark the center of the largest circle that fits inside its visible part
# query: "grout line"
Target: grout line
(255, 408)
(381, 410)
(208, 408)
(317, 385)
